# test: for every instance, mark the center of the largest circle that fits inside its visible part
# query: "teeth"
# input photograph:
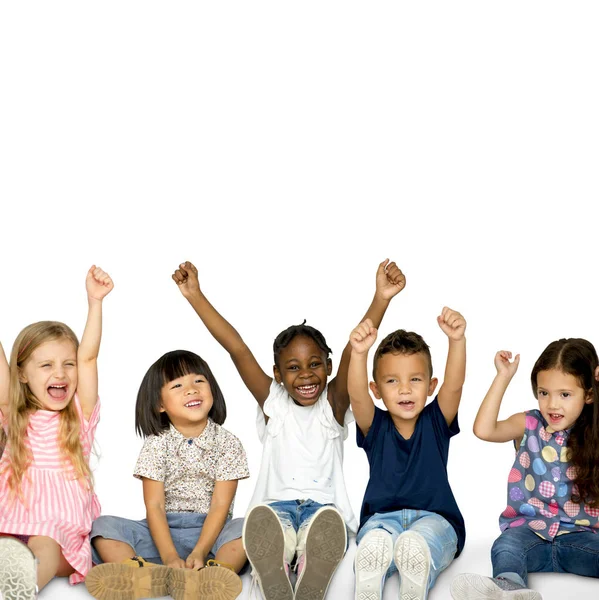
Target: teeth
(193, 403)
(60, 387)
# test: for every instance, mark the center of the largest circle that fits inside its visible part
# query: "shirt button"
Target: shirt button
(190, 442)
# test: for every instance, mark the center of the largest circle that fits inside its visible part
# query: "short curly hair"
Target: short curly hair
(402, 342)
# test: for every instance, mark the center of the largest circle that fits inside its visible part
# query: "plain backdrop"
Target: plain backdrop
(286, 149)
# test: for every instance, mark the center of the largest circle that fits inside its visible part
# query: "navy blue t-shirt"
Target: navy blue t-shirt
(410, 473)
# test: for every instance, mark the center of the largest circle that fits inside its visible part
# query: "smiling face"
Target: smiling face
(403, 382)
(187, 401)
(303, 369)
(561, 398)
(51, 373)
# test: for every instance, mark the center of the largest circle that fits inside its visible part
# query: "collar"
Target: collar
(204, 441)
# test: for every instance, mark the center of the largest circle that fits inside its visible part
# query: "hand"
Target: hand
(389, 280)
(452, 324)
(504, 366)
(186, 277)
(98, 283)
(195, 560)
(363, 337)
(174, 562)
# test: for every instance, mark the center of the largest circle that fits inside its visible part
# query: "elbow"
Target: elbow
(482, 433)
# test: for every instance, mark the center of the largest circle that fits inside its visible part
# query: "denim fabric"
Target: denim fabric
(185, 530)
(440, 536)
(521, 551)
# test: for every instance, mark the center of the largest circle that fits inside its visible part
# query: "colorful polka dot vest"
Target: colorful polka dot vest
(540, 485)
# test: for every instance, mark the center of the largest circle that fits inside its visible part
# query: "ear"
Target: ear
(161, 409)
(329, 366)
(597, 374)
(22, 377)
(374, 388)
(432, 386)
(276, 373)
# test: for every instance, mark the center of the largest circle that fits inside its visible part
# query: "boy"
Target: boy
(409, 520)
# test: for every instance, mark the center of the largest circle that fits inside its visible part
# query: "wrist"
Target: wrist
(92, 301)
(169, 557)
(380, 298)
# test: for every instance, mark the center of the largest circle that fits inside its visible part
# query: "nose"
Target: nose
(404, 388)
(190, 390)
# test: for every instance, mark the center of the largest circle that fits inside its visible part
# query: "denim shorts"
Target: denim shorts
(185, 530)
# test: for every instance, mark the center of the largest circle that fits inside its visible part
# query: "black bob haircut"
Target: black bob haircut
(284, 339)
(172, 365)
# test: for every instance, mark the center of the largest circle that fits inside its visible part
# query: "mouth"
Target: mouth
(307, 392)
(58, 392)
(406, 404)
(555, 417)
(194, 404)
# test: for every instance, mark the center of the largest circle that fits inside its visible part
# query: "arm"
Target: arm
(156, 515)
(486, 426)
(255, 379)
(361, 340)
(389, 282)
(453, 325)
(222, 497)
(4, 383)
(98, 285)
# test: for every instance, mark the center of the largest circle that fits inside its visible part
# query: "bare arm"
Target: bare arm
(156, 515)
(362, 338)
(4, 383)
(255, 379)
(453, 325)
(486, 425)
(222, 497)
(98, 284)
(389, 282)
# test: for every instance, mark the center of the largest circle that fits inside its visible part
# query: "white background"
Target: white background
(287, 149)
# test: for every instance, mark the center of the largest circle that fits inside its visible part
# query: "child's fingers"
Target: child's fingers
(384, 264)
(176, 279)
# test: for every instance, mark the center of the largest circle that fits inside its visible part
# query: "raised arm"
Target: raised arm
(389, 282)
(453, 326)
(255, 379)
(486, 425)
(4, 383)
(98, 285)
(361, 340)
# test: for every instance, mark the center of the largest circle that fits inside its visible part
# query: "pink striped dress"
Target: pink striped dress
(56, 504)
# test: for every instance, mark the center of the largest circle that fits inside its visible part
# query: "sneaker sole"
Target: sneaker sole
(373, 557)
(210, 583)
(326, 541)
(477, 587)
(413, 560)
(115, 581)
(264, 544)
(18, 570)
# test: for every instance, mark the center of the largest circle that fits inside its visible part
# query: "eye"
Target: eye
(566, 394)
(200, 380)
(416, 379)
(70, 364)
(176, 385)
(293, 368)
(314, 365)
(542, 393)
(391, 380)
(45, 365)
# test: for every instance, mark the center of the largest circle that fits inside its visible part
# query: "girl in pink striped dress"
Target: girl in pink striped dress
(49, 410)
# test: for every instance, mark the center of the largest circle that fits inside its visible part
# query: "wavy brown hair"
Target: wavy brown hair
(22, 403)
(578, 357)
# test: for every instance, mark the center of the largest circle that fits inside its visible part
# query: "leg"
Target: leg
(232, 553)
(112, 551)
(577, 553)
(51, 562)
(322, 542)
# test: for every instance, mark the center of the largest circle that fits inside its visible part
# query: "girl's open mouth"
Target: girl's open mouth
(58, 392)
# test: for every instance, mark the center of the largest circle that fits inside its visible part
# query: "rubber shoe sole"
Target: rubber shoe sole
(476, 587)
(18, 570)
(264, 544)
(326, 541)
(209, 583)
(413, 561)
(373, 557)
(117, 581)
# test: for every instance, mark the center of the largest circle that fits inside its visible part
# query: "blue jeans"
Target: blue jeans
(519, 551)
(185, 531)
(440, 536)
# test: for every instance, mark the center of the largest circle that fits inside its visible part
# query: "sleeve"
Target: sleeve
(232, 462)
(365, 442)
(439, 421)
(88, 426)
(275, 408)
(152, 459)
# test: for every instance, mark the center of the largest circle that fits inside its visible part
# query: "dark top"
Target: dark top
(410, 473)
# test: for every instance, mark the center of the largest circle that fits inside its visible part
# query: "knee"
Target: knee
(505, 543)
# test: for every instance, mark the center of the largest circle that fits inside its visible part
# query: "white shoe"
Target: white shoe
(413, 560)
(476, 587)
(373, 557)
(18, 570)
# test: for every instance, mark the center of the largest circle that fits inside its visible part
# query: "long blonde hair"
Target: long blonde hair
(23, 403)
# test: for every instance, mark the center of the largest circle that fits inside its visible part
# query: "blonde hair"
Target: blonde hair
(23, 403)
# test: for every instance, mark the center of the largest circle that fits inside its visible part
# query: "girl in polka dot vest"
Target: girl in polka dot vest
(551, 520)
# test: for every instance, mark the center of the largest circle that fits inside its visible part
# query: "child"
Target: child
(300, 503)
(553, 486)
(410, 520)
(50, 410)
(189, 466)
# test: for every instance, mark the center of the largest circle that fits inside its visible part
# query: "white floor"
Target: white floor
(475, 558)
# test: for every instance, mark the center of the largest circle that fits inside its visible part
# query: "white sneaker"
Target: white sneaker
(373, 557)
(476, 587)
(18, 570)
(413, 560)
